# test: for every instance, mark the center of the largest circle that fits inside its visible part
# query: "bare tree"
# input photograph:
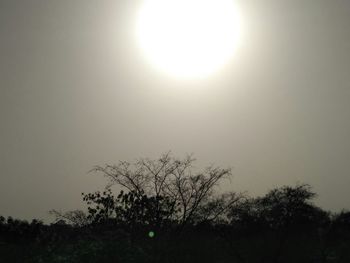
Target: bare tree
(192, 193)
(75, 217)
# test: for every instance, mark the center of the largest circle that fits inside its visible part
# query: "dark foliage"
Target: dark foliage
(142, 224)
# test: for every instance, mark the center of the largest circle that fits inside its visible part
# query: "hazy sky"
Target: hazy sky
(76, 92)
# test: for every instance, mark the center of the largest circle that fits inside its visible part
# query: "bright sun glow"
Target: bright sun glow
(188, 38)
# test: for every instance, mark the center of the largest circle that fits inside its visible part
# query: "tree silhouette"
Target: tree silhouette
(129, 208)
(275, 217)
(168, 189)
(167, 211)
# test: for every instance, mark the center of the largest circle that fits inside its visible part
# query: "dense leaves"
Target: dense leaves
(187, 219)
(130, 208)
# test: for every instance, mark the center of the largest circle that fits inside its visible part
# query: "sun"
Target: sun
(188, 38)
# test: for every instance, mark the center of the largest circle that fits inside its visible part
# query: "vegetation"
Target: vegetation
(167, 212)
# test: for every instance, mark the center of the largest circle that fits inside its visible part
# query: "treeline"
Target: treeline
(168, 212)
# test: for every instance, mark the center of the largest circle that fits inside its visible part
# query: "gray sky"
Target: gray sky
(76, 92)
